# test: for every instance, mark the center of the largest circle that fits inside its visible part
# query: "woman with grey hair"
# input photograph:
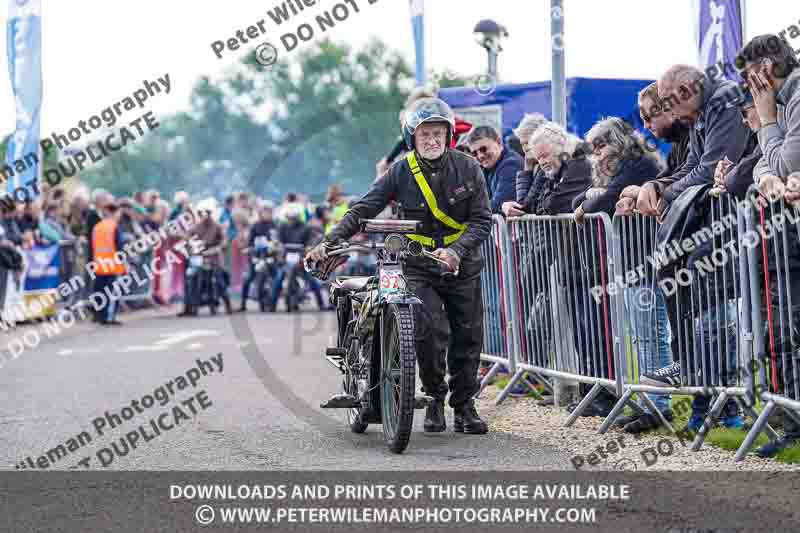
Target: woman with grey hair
(619, 158)
(525, 130)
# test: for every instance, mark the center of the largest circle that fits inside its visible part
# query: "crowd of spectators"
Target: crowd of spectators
(58, 217)
(725, 136)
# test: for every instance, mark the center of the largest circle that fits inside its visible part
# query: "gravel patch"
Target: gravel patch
(545, 425)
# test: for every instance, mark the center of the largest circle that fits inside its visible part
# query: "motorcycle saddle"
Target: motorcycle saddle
(352, 284)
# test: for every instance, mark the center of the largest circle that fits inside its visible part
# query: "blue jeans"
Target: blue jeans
(277, 286)
(650, 333)
(707, 346)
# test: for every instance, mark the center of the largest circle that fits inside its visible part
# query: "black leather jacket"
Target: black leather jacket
(459, 186)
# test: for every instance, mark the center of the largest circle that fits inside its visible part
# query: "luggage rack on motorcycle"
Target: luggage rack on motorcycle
(375, 225)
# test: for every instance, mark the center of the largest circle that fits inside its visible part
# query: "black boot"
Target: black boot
(466, 420)
(434, 417)
(228, 307)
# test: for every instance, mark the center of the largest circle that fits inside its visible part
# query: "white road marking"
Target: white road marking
(169, 340)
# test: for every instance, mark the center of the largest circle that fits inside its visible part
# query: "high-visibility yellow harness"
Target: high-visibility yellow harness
(430, 199)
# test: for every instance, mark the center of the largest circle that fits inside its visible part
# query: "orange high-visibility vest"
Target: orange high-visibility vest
(105, 248)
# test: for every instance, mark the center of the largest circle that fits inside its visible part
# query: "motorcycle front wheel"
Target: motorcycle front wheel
(398, 375)
(292, 295)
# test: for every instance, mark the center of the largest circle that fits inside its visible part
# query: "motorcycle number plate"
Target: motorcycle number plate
(391, 281)
(196, 261)
(292, 258)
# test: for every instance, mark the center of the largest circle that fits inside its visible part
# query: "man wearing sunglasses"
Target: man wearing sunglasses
(500, 165)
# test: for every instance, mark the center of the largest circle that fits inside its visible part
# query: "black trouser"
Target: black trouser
(251, 274)
(103, 285)
(695, 348)
(451, 322)
(786, 334)
(591, 331)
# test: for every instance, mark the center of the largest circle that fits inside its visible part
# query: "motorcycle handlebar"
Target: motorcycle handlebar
(347, 248)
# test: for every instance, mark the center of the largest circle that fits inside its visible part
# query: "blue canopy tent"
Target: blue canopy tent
(588, 100)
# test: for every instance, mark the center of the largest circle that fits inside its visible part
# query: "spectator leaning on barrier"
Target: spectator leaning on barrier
(500, 164)
(736, 178)
(664, 126)
(621, 158)
(710, 108)
(716, 131)
(564, 171)
(527, 127)
(769, 66)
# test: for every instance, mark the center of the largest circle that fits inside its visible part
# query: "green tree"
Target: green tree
(335, 116)
(324, 116)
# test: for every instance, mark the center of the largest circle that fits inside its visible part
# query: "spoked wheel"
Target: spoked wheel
(293, 297)
(350, 386)
(398, 374)
(264, 295)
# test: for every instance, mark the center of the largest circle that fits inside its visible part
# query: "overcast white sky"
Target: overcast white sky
(99, 51)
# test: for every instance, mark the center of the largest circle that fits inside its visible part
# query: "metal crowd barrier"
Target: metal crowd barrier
(500, 341)
(139, 292)
(643, 326)
(773, 251)
(699, 281)
(566, 333)
(596, 303)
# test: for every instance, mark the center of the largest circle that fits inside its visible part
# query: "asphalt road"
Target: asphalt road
(261, 414)
(265, 404)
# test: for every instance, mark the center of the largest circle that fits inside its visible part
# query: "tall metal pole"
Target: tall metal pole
(492, 63)
(743, 14)
(558, 82)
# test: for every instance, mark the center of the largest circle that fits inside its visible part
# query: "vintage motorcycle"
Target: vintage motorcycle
(203, 287)
(375, 349)
(264, 258)
(295, 290)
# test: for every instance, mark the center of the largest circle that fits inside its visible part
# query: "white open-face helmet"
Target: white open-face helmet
(293, 211)
(208, 205)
